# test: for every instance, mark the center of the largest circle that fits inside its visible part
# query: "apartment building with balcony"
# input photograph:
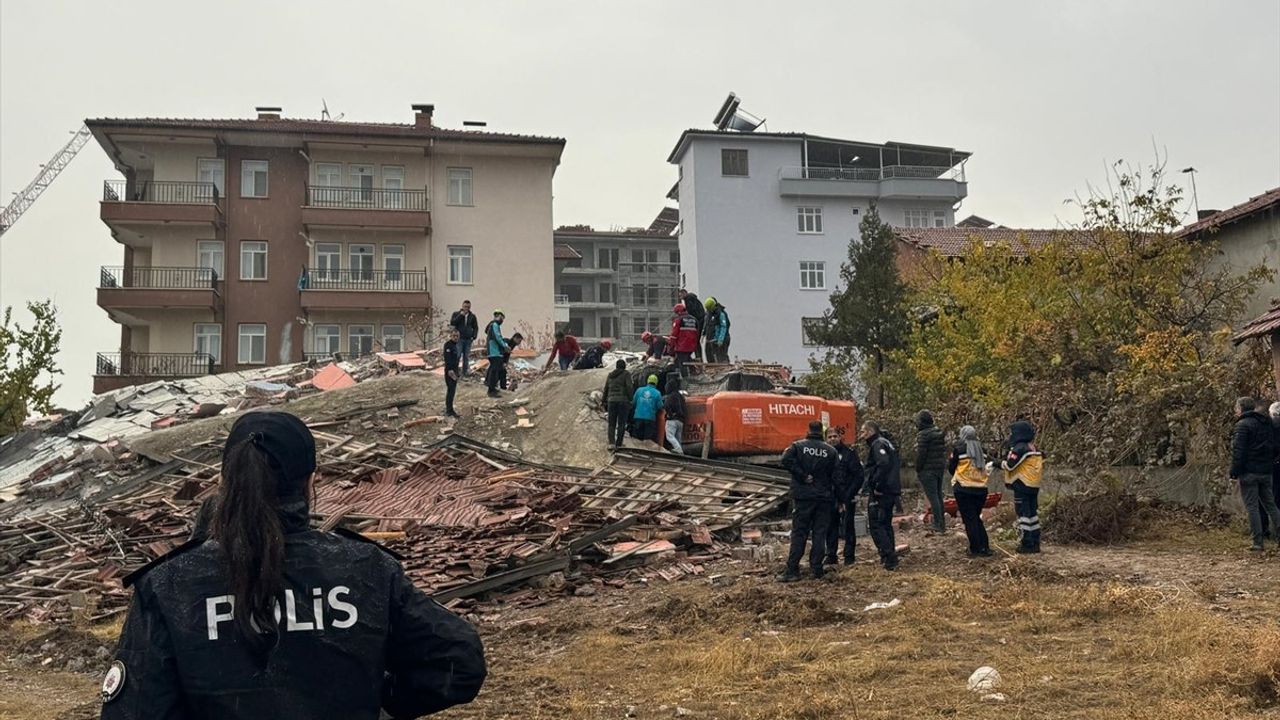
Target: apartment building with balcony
(766, 219)
(250, 242)
(616, 284)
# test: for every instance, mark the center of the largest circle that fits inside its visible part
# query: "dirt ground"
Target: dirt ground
(1181, 622)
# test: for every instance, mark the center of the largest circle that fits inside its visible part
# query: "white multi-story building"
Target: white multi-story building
(766, 221)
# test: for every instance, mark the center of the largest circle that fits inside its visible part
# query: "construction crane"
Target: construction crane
(50, 170)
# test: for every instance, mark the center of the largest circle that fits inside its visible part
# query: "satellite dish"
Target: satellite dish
(732, 117)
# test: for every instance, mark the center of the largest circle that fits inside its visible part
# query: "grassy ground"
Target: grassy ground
(1179, 623)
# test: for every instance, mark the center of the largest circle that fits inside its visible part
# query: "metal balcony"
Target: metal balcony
(155, 365)
(161, 191)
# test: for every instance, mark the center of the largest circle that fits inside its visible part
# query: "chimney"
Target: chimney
(268, 113)
(422, 116)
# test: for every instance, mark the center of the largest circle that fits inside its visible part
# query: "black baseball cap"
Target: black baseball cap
(287, 442)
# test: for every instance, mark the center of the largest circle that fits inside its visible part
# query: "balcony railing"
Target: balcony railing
(366, 198)
(561, 300)
(366, 280)
(161, 191)
(159, 278)
(927, 172)
(157, 365)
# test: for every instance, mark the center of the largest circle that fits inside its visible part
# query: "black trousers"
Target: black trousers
(880, 525)
(809, 518)
(495, 372)
(970, 505)
(644, 429)
(1026, 503)
(681, 359)
(618, 414)
(931, 481)
(843, 523)
(451, 389)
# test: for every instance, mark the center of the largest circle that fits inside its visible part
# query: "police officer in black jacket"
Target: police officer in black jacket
(883, 489)
(848, 483)
(269, 618)
(812, 464)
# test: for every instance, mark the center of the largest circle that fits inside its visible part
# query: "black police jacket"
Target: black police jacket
(848, 479)
(883, 467)
(1252, 445)
(812, 464)
(356, 637)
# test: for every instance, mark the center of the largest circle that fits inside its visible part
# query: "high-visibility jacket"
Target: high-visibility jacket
(1024, 464)
(968, 474)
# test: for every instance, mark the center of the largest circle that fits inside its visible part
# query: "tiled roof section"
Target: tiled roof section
(328, 127)
(954, 241)
(1267, 200)
(975, 221)
(564, 252)
(666, 222)
(1261, 326)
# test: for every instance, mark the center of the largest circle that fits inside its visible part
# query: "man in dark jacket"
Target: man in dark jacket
(464, 321)
(594, 356)
(451, 371)
(1253, 458)
(931, 460)
(674, 412)
(716, 331)
(812, 464)
(883, 488)
(618, 390)
(848, 483)
(695, 308)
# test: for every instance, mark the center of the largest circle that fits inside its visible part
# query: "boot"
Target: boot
(789, 576)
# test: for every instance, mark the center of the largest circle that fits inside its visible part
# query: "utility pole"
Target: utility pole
(1194, 197)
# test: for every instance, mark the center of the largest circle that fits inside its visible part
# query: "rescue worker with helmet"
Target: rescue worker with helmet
(684, 337)
(717, 331)
(656, 346)
(812, 464)
(699, 313)
(270, 618)
(594, 356)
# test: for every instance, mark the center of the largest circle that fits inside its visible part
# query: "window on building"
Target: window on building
(733, 162)
(213, 172)
(361, 259)
(939, 218)
(459, 186)
(359, 340)
(809, 329)
(253, 260)
(392, 183)
(329, 175)
(253, 178)
(393, 262)
(637, 261)
(326, 339)
(460, 265)
(210, 254)
(813, 275)
(918, 218)
(607, 258)
(361, 183)
(608, 327)
(809, 219)
(328, 261)
(674, 258)
(656, 297)
(393, 338)
(609, 292)
(639, 326)
(572, 293)
(208, 340)
(253, 344)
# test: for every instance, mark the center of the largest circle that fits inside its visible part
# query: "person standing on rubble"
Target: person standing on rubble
(847, 485)
(271, 618)
(452, 370)
(645, 403)
(497, 351)
(618, 389)
(566, 350)
(512, 344)
(674, 412)
(931, 460)
(812, 464)
(464, 321)
(883, 490)
(684, 337)
(717, 332)
(968, 468)
(699, 313)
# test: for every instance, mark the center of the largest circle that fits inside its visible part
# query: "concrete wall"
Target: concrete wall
(1249, 243)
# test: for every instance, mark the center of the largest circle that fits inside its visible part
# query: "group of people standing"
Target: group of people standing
(638, 407)
(1255, 467)
(827, 478)
(699, 331)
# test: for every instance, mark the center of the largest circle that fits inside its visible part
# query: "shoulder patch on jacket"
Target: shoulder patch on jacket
(136, 575)
(352, 535)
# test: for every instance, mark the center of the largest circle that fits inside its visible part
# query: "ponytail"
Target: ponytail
(247, 525)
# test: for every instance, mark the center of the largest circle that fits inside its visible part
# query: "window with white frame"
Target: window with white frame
(326, 339)
(918, 218)
(733, 162)
(361, 259)
(809, 220)
(810, 327)
(813, 275)
(253, 260)
(329, 175)
(253, 344)
(359, 340)
(393, 183)
(208, 340)
(460, 265)
(328, 261)
(393, 262)
(459, 186)
(210, 254)
(361, 182)
(213, 172)
(393, 338)
(253, 178)
(939, 218)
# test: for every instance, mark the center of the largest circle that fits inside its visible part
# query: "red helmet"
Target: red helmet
(646, 337)
(606, 344)
(679, 309)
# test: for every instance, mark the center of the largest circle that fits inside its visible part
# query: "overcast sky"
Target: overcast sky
(1043, 94)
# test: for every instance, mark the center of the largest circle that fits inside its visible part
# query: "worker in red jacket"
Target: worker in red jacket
(684, 337)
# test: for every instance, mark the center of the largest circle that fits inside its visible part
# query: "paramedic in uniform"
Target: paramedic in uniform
(269, 618)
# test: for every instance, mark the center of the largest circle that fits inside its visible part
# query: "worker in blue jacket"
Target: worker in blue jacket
(498, 349)
(646, 401)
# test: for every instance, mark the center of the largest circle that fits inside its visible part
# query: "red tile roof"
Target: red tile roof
(1254, 205)
(564, 252)
(329, 127)
(1261, 326)
(954, 241)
